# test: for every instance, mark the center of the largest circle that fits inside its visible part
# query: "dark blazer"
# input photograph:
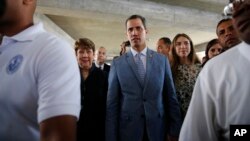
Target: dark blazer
(132, 104)
(91, 123)
(106, 68)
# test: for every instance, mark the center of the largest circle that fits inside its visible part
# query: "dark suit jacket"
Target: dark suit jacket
(91, 123)
(132, 104)
(106, 68)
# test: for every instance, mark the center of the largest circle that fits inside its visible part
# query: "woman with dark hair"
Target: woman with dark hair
(123, 47)
(213, 48)
(94, 87)
(185, 68)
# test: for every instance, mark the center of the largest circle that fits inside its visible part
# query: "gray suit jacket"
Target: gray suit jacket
(132, 104)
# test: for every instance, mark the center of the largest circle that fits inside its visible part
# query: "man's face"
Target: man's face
(227, 35)
(101, 55)
(136, 33)
(163, 48)
(241, 20)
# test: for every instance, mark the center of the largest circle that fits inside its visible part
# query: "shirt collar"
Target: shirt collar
(143, 52)
(6, 40)
(98, 66)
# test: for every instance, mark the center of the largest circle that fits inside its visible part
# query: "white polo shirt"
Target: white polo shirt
(221, 97)
(39, 79)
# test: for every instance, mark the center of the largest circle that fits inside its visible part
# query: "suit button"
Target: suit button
(142, 116)
(144, 100)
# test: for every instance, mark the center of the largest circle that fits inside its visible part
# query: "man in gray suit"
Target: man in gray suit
(141, 101)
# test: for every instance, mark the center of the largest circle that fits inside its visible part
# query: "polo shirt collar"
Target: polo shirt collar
(28, 34)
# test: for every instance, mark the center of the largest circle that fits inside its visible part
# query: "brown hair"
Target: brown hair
(84, 43)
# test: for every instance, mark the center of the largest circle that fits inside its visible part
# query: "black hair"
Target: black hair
(166, 40)
(222, 21)
(137, 17)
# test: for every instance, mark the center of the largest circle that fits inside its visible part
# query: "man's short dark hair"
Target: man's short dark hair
(222, 21)
(166, 40)
(136, 17)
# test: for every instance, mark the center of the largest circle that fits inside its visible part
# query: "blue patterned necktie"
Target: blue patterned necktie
(140, 66)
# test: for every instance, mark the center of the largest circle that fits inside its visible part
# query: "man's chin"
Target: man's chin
(136, 45)
(232, 43)
(101, 62)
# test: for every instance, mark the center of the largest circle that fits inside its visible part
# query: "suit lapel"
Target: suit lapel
(133, 66)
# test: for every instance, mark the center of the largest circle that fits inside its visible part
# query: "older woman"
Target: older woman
(213, 48)
(94, 85)
(185, 69)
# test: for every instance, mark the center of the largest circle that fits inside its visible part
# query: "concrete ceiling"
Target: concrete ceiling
(103, 20)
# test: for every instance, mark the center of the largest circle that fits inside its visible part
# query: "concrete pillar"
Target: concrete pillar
(53, 28)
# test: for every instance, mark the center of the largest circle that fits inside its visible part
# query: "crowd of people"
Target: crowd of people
(49, 91)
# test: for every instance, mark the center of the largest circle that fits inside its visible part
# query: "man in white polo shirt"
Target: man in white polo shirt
(221, 96)
(39, 79)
